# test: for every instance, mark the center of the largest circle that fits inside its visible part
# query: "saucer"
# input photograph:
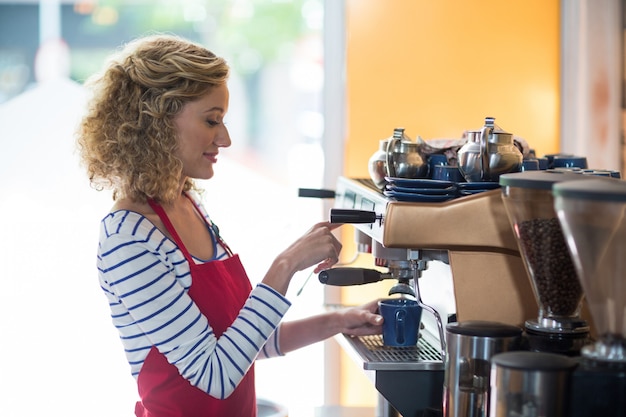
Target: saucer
(421, 198)
(472, 192)
(467, 186)
(430, 191)
(418, 182)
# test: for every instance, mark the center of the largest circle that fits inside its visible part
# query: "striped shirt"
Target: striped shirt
(146, 279)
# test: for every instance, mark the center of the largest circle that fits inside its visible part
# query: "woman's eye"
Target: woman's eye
(213, 122)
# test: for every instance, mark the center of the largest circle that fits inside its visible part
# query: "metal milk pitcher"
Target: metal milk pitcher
(397, 156)
(404, 157)
(488, 153)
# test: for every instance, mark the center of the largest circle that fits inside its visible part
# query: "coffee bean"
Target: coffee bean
(556, 284)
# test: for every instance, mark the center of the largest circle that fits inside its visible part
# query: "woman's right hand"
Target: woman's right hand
(317, 247)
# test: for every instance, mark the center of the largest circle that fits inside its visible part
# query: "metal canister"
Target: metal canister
(470, 346)
(530, 384)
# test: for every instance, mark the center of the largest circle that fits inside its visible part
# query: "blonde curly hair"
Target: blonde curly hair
(127, 138)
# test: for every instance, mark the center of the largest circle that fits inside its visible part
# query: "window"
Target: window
(60, 329)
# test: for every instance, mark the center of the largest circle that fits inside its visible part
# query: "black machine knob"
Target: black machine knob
(353, 216)
(316, 193)
(350, 276)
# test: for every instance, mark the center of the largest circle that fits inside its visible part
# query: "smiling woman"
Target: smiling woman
(191, 323)
(272, 106)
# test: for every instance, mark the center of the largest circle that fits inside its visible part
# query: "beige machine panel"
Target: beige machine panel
(477, 222)
(493, 287)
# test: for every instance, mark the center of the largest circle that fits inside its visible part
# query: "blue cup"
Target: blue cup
(543, 163)
(550, 157)
(401, 321)
(569, 161)
(447, 173)
(530, 165)
(435, 160)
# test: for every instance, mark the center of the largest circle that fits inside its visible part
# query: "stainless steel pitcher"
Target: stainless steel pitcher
(470, 345)
(488, 153)
(398, 156)
(530, 384)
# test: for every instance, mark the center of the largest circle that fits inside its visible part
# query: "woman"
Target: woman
(189, 320)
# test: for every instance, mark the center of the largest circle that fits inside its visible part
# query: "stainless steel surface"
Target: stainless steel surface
(404, 159)
(420, 265)
(467, 368)
(409, 380)
(375, 356)
(530, 384)
(397, 156)
(489, 154)
(377, 164)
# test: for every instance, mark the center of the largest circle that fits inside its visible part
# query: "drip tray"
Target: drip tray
(378, 357)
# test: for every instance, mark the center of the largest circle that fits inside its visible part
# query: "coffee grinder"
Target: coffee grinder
(529, 204)
(593, 217)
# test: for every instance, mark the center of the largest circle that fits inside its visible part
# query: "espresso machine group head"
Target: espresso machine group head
(402, 264)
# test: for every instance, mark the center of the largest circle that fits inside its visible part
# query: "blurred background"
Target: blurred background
(316, 85)
(59, 353)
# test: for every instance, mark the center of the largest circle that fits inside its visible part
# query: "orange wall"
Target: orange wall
(437, 68)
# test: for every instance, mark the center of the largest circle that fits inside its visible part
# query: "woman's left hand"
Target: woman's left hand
(362, 320)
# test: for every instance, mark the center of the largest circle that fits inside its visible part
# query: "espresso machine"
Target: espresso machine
(591, 216)
(466, 244)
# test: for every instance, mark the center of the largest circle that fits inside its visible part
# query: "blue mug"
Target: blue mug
(530, 165)
(569, 161)
(401, 321)
(543, 163)
(447, 173)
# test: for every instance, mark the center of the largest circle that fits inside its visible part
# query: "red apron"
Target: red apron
(219, 289)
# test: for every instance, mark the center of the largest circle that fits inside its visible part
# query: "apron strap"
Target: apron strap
(213, 229)
(158, 209)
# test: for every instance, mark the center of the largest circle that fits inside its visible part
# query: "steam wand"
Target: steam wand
(420, 265)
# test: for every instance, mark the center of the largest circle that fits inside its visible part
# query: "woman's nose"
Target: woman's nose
(223, 138)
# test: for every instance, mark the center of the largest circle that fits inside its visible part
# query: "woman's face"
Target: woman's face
(201, 132)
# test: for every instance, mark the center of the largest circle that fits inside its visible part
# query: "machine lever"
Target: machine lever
(350, 276)
(316, 193)
(352, 216)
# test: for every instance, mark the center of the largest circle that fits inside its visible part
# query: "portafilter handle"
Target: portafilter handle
(350, 276)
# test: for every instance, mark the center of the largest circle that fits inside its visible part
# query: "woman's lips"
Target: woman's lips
(211, 157)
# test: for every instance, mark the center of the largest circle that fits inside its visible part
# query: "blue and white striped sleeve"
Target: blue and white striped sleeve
(143, 287)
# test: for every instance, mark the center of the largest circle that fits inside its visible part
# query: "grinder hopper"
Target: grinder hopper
(593, 216)
(529, 204)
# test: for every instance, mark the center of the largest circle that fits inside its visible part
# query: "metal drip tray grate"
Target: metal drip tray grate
(377, 356)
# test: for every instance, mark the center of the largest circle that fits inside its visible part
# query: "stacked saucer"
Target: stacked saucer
(470, 188)
(419, 190)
